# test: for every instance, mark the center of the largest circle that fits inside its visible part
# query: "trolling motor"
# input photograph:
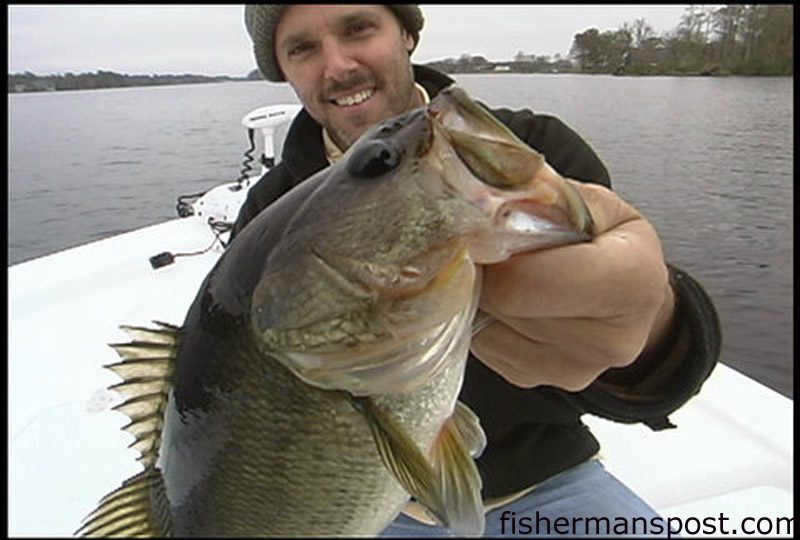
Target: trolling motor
(220, 205)
(268, 119)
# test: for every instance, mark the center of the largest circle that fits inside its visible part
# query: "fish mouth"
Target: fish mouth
(507, 180)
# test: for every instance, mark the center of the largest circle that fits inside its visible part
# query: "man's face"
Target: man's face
(348, 65)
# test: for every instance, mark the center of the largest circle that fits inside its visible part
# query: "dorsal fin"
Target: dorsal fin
(140, 507)
(146, 371)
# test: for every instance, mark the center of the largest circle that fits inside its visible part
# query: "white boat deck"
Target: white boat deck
(65, 447)
(731, 454)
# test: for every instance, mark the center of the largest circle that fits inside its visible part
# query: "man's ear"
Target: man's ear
(408, 40)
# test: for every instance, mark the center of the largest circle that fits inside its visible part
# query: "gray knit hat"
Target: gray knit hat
(261, 19)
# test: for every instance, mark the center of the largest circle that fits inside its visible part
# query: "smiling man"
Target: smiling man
(607, 327)
(349, 71)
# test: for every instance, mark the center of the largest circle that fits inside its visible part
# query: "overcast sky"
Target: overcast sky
(211, 40)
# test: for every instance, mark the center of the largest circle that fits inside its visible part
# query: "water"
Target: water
(708, 160)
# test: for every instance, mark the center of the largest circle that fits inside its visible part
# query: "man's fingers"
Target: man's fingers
(598, 279)
(601, 278)
(568, 313)
(501, 347)
(613, 341)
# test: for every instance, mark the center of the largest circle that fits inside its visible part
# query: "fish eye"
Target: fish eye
(373, 158)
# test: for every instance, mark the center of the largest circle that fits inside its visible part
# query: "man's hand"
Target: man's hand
(565, 315)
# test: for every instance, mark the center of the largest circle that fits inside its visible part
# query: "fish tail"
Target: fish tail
(139, 507)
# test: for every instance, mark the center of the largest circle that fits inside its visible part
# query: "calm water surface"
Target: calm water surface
(708, 160)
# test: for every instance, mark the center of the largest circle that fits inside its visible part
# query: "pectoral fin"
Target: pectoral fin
(449, 487)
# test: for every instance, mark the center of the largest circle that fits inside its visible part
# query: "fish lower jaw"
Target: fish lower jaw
(541, 215)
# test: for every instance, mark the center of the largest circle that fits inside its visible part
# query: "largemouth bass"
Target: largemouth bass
(313, 386)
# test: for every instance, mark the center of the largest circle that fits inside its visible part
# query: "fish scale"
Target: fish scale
(300, 492)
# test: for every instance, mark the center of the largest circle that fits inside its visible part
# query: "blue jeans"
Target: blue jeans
(582, 501)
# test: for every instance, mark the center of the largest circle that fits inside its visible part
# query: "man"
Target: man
(606, 327)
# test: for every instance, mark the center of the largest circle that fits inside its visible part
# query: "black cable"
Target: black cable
(184, 206)
(185, 209)
(220, 228)
(248, 157)
(217, 227)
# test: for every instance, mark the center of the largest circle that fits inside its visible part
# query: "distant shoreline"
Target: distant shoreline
(117, 87)
(31, 83)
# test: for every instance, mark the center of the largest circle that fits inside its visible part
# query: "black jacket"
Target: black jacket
(535, 433)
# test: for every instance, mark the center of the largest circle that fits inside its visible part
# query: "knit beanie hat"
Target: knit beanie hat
(261, 20)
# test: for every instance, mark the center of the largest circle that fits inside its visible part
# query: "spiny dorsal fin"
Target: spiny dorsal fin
(450, 489)
(137, 508)
(146, 371)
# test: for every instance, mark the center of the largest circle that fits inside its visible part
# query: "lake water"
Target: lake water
(708, 160)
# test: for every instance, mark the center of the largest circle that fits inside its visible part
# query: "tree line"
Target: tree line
(30, 82)
(737, 39)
